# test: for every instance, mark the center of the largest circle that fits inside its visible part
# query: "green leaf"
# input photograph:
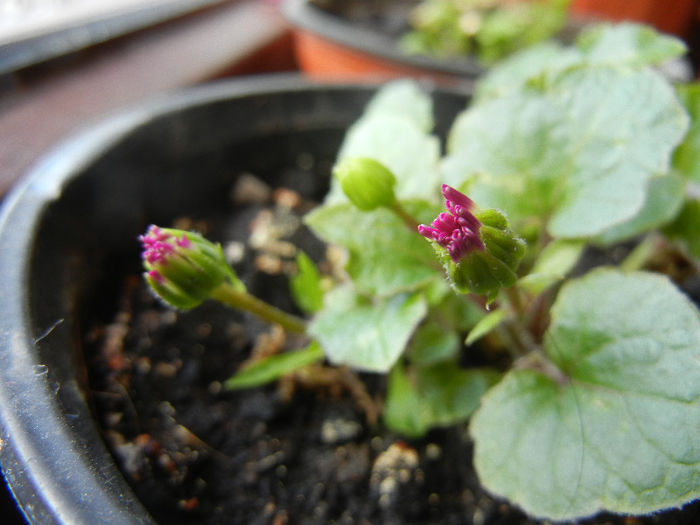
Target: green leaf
(577, 152)
(385, 256)
(513, 73)
(617, 428)
(485, 326)
(553, 264)
(439, 395)
(404, 411)
(305, 285)
(664, 201)
(273, 367)
(624, 44)
(459, 311)
(399, 144)
(686, 227)
(453, 393)
(559, 257)
(406, 99)
(628, 43)
(395, 131)
(434, 341)
(686, 160)
(366, 335)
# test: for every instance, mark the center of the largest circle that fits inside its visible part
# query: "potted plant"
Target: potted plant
(71, 228)
(448, 40)
(575, 383)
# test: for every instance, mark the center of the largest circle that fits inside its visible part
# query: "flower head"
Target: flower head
(457, 229)
(159, 245)
(183, 268)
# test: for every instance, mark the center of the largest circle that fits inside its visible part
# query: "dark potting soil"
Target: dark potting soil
(309, 449)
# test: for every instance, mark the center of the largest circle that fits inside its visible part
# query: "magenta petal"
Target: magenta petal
(456, 230)
(456, 198)
(156, 276)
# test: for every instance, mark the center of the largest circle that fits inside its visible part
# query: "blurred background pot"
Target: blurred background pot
(677, 17)
(68, 237)
(345, 41)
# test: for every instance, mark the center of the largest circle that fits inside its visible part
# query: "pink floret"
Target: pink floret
(457, 229)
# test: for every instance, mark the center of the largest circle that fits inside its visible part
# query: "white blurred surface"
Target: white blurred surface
(23, 19)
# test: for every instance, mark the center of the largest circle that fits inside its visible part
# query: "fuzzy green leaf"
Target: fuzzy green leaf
(663, 203)
(385, 256)
(399, 144)
(305, 285)
(628, 43)
(625, 44)
(686, 159)
(577, 152)
(273, 367)
(433, 342)
(557, 259)
(406, 99)
(366, 335)
(438, 395)
(486, 325)
(618, 429)
(395, 131)
(404, 411)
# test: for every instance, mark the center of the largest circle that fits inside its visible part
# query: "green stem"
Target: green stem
(513, 295)
(241, 300)
(405, 217)
(539, 361)
(640, 256)
(516, 327)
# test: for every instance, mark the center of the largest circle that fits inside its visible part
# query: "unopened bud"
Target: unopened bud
(366, 182)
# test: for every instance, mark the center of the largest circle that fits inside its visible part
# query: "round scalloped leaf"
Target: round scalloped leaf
(577, 151)
(363, 334)
(618, 429)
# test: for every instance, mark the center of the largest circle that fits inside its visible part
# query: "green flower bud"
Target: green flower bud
(487, 271)
(366, 182)
(184, 268)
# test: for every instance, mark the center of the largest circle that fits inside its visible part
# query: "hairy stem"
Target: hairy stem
(515, 327)
(405, 217)
(230, 296)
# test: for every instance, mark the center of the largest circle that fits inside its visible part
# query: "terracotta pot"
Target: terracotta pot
(671, 16)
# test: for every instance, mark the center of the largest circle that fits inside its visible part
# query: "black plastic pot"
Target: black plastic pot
(68, 235)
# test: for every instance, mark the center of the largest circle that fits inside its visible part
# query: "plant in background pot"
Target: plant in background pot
(451, 41)
(551, 310)
(488, 29)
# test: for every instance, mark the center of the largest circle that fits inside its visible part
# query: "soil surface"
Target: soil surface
(307, 450)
